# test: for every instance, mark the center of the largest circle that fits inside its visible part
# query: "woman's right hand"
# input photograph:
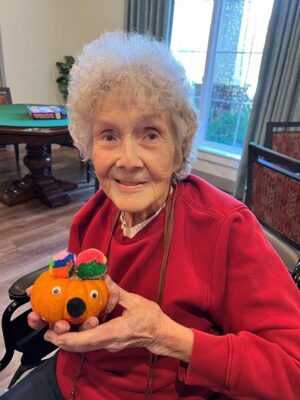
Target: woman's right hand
(34, 319)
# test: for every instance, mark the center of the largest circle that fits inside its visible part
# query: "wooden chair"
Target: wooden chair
(5, 98)
(273, 195)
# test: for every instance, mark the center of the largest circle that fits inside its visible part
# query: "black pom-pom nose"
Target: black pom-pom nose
(76, 307)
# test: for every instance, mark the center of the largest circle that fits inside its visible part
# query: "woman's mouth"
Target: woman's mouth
(129, 183)
(129, 186)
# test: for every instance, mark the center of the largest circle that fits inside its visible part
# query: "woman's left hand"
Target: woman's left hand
(142, 324)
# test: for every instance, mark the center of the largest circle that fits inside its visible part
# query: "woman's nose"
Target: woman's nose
(129, 156)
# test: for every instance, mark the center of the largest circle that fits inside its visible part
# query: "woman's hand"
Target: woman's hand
(142, 324)
(34, 319)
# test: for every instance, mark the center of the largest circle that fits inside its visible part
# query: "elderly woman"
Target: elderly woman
(200, 304)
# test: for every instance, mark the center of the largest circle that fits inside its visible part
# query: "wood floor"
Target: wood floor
(31, 233)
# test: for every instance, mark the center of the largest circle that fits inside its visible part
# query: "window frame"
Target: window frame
(207, 101)
(205, 98)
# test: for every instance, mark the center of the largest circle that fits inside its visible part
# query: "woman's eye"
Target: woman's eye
(151, 136)
(109, 137)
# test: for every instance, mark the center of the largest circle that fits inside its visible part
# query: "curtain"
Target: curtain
(277, 95)
(150, 16)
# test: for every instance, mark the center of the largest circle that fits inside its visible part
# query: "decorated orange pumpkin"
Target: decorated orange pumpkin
(70, 290)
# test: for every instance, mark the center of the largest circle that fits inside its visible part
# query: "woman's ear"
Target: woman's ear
(178, 160)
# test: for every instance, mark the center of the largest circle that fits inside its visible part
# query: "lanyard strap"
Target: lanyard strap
(170, 209)
(169, 219)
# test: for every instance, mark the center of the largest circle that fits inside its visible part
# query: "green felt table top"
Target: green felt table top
(16, 115)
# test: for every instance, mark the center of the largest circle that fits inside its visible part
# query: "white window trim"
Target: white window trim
(209, 72)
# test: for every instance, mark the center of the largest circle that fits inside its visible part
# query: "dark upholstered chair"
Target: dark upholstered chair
(283, 138)
(17, 335)
(5, 98)
(273, 195)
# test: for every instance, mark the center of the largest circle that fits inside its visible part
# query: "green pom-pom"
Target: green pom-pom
(91, 270)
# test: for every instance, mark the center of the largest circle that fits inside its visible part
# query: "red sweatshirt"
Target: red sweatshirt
(224, 281)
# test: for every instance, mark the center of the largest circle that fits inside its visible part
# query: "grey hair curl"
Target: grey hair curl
(150, 74)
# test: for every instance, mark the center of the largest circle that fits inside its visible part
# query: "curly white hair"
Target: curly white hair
(150, 74)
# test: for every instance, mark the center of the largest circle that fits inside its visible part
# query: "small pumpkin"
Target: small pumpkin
(62, 294)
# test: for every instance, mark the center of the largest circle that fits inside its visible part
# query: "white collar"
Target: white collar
(130, 232)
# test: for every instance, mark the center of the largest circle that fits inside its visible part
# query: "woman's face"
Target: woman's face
(134, 156)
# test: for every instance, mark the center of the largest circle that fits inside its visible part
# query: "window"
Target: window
(220, 44)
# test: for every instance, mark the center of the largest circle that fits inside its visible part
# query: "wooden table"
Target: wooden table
(17, 127)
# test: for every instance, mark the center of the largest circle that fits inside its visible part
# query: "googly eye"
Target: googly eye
(56, 290)
(94, 294)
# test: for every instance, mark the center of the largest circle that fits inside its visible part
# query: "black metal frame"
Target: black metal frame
(18, 336)
(296, 274)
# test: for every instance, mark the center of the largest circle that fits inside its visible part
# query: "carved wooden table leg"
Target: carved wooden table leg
(47, 188)
(18, 192)
(40, 183)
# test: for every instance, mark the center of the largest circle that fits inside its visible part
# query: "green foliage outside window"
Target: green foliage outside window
(228, 127)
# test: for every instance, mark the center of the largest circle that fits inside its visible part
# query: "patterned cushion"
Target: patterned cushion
(275, 201)
(287, 143)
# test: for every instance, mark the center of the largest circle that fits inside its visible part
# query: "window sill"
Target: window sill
(218, 169)
(219, 152)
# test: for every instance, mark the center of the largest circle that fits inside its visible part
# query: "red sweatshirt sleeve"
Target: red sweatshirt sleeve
(257, 356)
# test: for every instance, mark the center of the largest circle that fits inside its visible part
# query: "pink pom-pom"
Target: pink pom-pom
(89, 255)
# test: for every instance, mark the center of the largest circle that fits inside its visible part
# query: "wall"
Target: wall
(219, 170)
(94, 17)
(37, 33)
